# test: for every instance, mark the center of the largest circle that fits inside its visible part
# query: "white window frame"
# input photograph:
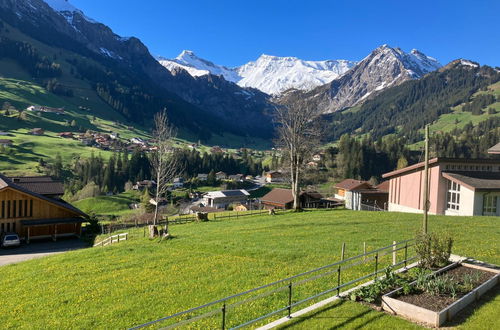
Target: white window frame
(453, 196)
(490, 204)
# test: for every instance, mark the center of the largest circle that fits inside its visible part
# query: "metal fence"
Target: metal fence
(187, 218)
(366, 207)
(280, 298)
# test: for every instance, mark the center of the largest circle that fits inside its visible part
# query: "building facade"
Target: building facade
(33, 214)
(456, 187)
(222, 199)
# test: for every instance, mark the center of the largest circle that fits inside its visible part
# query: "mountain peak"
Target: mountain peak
(186, 53)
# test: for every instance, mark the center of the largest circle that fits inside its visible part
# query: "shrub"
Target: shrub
(433, 250)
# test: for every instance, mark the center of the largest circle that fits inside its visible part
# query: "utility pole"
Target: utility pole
(426, 179)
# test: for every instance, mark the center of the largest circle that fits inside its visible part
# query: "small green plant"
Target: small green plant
(469, 281)
(433, 250)
(372, 293)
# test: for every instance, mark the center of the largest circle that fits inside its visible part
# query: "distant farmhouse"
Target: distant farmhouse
(221, 175)
(32, 208)
(359, 195)
(457, 187)
(274, 177)
(178, 183)
(280, 198)
(38, 108)
(202, 177)
(222, 199)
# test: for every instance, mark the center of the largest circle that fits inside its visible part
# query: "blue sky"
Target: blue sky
(235, 32)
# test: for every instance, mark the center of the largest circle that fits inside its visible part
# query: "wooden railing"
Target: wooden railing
(113, 239)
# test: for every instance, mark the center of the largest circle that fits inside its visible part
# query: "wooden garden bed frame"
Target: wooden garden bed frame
(432, 318)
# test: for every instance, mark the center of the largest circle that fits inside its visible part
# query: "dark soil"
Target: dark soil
(437, 303)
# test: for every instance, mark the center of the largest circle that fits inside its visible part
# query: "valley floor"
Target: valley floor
(139, 280)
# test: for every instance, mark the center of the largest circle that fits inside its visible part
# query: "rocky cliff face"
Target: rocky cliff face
(383, 68)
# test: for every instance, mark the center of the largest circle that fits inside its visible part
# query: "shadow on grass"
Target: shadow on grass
(345, 321)
(465, 313)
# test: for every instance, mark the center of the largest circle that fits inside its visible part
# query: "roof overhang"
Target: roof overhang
(40, 222)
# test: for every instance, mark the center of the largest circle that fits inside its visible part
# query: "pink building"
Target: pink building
(456, 187)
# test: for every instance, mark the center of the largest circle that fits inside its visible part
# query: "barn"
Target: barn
(31, 207)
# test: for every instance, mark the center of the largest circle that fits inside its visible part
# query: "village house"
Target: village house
(202, 177)
(280, 198)
(236, 177)
(274, 177)
(221, 175)
(141, 185)
(178, 183)
(6, 143)
(37, 131)
(31, 208)
(361, 195)
(223, 198)
(456, 187)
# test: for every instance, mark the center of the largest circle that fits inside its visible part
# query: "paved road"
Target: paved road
(39, 249)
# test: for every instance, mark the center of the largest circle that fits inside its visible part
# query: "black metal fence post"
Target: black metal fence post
(338, 281)
(406, 253)
(290, 300)
(224, 316)
(376, 266)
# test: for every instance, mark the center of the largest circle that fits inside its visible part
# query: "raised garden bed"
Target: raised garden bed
(435, 309)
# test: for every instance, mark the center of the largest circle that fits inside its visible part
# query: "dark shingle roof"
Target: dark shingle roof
(6, 182)
(475, 180)
(43, 185)
(278, 196)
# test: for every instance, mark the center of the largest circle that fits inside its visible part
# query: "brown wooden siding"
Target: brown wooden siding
(16, 206)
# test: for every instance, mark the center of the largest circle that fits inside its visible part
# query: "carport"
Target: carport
(52, 228)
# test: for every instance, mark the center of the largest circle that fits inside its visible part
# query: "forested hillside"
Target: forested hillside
(405, 109)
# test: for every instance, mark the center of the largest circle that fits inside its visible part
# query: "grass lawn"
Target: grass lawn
(140, 280)
(109, 205)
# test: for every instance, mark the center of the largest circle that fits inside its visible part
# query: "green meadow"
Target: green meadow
(139, 280)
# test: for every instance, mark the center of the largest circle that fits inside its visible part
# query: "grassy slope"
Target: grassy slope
(140, 280)
(459, 118)
(109, 205)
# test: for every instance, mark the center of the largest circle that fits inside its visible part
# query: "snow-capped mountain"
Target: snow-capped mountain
(273, 74)
(383, 68)
(197, 67)
(270, 74)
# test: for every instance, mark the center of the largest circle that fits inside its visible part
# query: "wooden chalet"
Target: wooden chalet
(30, 207)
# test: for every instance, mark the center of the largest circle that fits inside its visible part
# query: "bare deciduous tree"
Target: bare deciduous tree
(298, 137)
(165, 166)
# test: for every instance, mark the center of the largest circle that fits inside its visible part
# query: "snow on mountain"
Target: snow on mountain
(273, 74)
(384, 67)
(66, 9)
(270, 74)
(196, 66)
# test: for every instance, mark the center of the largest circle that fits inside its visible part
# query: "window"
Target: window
(453, 196)
(490, 205)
